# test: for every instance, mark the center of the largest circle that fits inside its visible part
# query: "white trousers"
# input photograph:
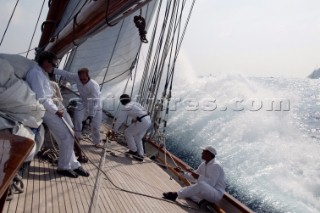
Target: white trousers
(60, 132)
(39, 140)
(95, 123)
(199, 191)
(134, 134)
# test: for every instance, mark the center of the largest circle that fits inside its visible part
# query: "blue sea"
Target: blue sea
(266, 132)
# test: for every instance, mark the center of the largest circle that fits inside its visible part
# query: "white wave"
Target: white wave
(268, 154)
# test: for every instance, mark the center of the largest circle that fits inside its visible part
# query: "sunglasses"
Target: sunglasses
(54, 65)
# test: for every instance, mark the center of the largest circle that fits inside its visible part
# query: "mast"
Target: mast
(93, 16)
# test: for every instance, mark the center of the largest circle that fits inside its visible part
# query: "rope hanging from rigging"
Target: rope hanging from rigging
(141, 25)
(15, 6)
(35, 29)
(169, 43)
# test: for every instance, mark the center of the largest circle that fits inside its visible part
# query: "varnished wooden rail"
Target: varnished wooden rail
(13, 151)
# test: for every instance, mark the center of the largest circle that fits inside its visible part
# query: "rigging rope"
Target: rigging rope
(143, 85)
(35, 28)
(112, 54)
(167, 50)
(107, 20)
(76, 9)
(93, 203)
(136, 70)
(14, 9)
(152, 76)
(134, 64)
(21, 53)
(107, 177)
(165, 46)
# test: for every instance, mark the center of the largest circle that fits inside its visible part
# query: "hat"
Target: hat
(124, 99)
(210, 149)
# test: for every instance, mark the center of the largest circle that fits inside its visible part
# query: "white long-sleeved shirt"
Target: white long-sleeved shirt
(89, 92)
(39, 82)
(131, 109)
(212, 173)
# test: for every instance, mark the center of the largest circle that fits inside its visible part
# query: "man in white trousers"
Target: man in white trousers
(90, 102)
(141, 122)
(209, 180)
(37, 78)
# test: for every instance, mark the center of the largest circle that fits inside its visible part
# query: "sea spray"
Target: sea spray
(266, 131)
(271, 155)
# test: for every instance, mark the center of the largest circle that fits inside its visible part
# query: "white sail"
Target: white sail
(110, 52)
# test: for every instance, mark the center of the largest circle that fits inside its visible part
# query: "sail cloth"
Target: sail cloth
(19, 109)
(110, 52)
(19, 64)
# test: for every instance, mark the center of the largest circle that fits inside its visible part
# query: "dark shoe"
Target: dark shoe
(68, 173)
(170, 195)
(82, 172)
(131, 152)
(203, 204)
(138, 157)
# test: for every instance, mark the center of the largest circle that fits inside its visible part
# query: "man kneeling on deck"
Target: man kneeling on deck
(209, 177)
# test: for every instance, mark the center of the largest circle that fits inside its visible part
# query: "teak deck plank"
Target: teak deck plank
(42, 188)
(35, 187)
(123, 182)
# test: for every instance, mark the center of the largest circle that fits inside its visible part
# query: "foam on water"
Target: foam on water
(266, 131)
(271, 154)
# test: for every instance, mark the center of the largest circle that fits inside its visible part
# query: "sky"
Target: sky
(279, 38)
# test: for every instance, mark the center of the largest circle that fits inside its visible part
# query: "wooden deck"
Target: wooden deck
(122, 185)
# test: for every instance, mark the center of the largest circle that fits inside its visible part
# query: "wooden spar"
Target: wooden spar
(92, 16)
(54, 16)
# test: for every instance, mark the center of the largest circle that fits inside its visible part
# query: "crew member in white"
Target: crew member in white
(90, 101)
(38, 80)
(209, 180)
(137, 129)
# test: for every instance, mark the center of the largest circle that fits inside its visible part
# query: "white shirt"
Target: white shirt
(39, 82)
(131, 109)
(89, 92)
(212, 173)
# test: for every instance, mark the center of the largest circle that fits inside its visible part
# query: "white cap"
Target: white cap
(210, 149)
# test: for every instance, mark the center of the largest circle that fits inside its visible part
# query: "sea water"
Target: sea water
(266, 132)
